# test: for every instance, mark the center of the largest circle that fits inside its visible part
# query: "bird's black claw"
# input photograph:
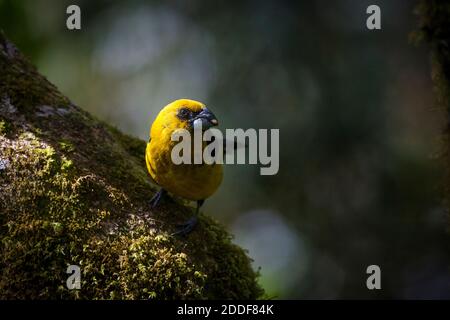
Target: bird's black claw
(186, 228)
(154, 201)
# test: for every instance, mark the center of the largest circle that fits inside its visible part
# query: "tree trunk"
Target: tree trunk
(434, 28)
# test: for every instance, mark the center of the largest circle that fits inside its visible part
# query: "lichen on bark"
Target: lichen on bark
(74, 190)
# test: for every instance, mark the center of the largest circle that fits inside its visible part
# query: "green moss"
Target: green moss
(76, 191)
(4, 127)
(132, 145)
(66, 164)
(66, 146)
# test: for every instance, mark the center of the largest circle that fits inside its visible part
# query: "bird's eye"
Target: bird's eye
(184, 113)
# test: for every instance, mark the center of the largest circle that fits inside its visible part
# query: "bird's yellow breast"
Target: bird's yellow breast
(189, 181)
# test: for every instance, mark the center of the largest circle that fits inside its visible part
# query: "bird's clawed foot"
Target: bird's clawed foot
(187, 227)
(157, 198)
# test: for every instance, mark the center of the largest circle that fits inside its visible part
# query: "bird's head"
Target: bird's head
(182, 114)
(188, 114)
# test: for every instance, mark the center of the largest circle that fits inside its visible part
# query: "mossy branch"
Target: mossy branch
(434, 28)
(75, 191)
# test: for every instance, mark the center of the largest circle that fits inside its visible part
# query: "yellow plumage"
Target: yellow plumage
(189, 181)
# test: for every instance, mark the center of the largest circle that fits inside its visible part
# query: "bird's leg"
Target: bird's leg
(154, 201)
(199, 204)
(187, 227)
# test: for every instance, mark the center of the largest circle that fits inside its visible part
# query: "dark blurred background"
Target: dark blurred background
(358, 182)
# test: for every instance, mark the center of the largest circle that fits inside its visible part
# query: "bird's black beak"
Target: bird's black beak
(205, 118)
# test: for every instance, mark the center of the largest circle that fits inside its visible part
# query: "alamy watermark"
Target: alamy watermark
(238, 146)
(373, 22)
(73, 21)
(374, 280)
(74, 280)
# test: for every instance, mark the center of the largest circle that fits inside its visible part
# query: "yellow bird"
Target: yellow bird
(190, 181)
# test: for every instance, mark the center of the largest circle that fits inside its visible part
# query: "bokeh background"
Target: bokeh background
(359, 183)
